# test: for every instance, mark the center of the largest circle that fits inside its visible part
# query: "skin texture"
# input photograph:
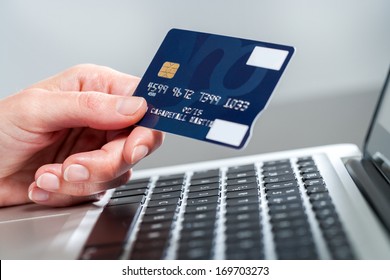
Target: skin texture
(67, 139)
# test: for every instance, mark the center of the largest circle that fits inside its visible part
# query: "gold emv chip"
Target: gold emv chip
(168, 70)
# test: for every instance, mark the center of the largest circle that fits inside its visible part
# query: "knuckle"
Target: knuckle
(90, 101)
(83, 67)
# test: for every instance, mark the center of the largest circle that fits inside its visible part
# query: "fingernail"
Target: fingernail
(76, 173)
(139, 153)
(129, 106)
(37, 194)
(48, 181)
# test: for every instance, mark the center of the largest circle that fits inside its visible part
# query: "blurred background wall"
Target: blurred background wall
(326, 95)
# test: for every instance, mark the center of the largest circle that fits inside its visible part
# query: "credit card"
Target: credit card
(210, 87)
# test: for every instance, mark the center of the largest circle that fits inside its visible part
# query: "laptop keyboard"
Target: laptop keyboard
(222, 213)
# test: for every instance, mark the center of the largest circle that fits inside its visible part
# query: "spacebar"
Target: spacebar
(111, 229)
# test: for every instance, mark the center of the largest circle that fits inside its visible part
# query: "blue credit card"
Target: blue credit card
(210, 87)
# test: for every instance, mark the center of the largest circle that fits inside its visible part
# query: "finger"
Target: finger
(43, 197)
(142, 141)
(87, 172)
(59, 110)
(89, 77)
(50, 179)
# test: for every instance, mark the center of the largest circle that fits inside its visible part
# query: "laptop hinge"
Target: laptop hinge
(373, 186)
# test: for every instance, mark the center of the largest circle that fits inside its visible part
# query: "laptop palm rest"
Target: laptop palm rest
(35, 232)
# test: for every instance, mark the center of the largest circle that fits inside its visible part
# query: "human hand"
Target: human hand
(66, 140)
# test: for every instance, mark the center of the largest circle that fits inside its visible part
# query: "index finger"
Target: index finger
(90, 77)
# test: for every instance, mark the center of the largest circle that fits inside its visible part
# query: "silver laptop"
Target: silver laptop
(330, 202)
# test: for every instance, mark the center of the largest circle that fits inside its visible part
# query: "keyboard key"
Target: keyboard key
(276, 162)
(276, 167)
(198, 224)
(194, 254)
(199, 233)
(316, 189)
(203, 200)
(126, 200)
(278, 172)
(133, 182)
(171, 177)
(153, 244)
(163, 225)
(194, 195)
(319, 196)
(109, 252)
(200, 208)
(242, 208)
(322, 204)
(163, 202)
(173, 188)
(247, 234)
(242, 174)
(244, 193)
(205, 181)
(233, 225)
(291, 244)
(286, 207)
(240, 181)
(133, 186)
(302, 159)
(291, 233)
(161, 196)
(281, 192)
(242, 201)
(192, 217)
(146, 237)
(158, 217)
(206, 187)
(155, 254)
(310, 176)
(286, 224)
(282, 185)
(279, 179)
(242, 217)
(329, 222)
(241, 187)
(168, 183)
(254, 254)
(309, 169)
(284, 199)
(314, 182)
(244, 244)
(195, 243)
(299, 253)
(330, 233)
(205, 174)
(241, 168)
(306, 163)
(161, 209)
(140, 191)
(295, 214)
(342, 253)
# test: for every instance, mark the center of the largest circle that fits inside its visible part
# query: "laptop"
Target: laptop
(328, 202)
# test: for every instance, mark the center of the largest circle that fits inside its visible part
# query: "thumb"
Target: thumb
(45, 111)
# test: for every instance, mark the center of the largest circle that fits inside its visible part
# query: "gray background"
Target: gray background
(326, 95)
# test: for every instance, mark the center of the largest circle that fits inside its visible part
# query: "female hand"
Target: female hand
(69, 138)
